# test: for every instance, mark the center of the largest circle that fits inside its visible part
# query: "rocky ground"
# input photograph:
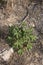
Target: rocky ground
(32, 13)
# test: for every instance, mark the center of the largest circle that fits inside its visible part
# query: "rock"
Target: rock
(37, 55)
(32, 24)
(32, 64)
(7, 54)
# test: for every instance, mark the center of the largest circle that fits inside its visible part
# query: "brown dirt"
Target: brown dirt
(31, 12)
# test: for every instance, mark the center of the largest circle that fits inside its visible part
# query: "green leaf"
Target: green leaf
(9, 39)
(29, 46)
(20, 51)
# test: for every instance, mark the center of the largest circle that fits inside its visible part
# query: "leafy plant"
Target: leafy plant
(21, 37)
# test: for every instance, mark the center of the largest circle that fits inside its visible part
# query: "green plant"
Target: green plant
(20, 37)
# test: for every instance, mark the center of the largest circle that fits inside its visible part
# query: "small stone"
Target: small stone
(32, 24)
(10, 24)
(31, 64)
(6, 55)
(36, 54)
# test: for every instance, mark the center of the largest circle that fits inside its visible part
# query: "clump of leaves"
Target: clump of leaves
(20, 37)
